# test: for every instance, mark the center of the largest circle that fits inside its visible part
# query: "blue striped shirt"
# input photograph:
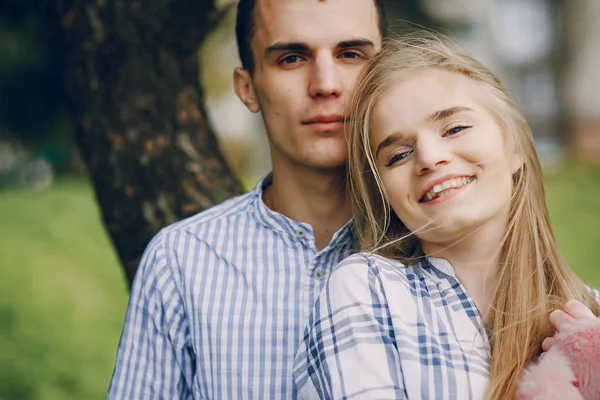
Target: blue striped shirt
(219, 304)
(381, 330)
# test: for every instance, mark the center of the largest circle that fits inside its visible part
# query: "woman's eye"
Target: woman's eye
(456, 129)
(397, 158)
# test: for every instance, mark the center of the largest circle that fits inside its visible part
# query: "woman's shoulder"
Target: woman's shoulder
(369, 279)
(368, 262)
(368, 268)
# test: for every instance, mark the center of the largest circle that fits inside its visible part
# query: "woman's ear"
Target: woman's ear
(244, 88)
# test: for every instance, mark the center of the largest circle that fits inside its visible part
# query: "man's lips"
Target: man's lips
(326, 123)
(324, 119)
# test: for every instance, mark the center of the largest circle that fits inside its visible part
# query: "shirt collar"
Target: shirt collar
(441, 264)
(292, 229)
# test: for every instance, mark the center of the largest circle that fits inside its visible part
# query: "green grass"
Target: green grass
(63, 296)
(574, 201)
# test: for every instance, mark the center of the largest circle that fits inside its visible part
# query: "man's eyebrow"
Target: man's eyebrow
(303, 47)
(436, 116)
(281, 46)
(356, 43)
(388, 141)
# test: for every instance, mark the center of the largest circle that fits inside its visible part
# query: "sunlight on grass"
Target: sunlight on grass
(63, 296)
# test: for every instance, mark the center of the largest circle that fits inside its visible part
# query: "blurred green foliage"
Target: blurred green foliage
(33, 109)
(32, 100)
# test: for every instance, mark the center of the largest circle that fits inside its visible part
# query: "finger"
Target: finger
(561, 319)
(541, 357)
(547, 343)
(577, 310)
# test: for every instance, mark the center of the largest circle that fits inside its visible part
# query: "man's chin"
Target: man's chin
(338, 163)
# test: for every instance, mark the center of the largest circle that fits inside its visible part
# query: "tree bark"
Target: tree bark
(130, 72)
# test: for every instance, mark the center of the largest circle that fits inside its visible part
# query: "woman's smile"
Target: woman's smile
(443, 189)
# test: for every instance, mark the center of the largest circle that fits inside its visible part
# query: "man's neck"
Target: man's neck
(317, 198)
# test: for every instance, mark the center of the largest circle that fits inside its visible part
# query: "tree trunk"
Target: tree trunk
(130, 72)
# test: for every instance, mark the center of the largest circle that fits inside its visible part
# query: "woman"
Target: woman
(459, 269)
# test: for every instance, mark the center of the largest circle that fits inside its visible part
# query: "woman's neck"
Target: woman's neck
(475, 259)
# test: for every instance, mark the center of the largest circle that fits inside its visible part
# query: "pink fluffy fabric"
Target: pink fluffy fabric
(570, 370)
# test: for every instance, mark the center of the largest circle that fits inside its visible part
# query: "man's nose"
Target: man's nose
(431, 152)
(325, 80)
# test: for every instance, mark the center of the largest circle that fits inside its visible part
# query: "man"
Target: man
(220, 300)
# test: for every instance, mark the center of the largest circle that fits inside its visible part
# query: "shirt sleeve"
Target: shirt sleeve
(349, 346)
(154, 358)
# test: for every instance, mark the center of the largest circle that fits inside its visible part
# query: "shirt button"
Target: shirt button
(300, 233)
(443, 287)
(318, 275)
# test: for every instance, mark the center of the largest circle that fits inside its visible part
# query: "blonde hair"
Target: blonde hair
(532, 278)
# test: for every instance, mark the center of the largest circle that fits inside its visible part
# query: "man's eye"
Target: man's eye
(291, 59)
(352, 54)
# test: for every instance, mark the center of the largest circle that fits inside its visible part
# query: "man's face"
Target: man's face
(307, 56)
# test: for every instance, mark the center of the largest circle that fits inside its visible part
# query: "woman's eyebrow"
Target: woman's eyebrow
(438, 115)
(388, 141)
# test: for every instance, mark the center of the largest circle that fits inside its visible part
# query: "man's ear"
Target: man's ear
(244, 88)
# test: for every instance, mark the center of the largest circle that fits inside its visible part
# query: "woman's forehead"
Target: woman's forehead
(418, 94)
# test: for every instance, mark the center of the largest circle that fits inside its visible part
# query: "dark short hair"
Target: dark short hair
(244, 29)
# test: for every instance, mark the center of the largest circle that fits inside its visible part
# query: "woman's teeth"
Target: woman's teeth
(446, 186)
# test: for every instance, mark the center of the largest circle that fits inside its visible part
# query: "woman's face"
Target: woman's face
(441, 155)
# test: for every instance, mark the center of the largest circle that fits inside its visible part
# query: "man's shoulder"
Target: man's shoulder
(222, 213)
(178, 243)
(204, 229)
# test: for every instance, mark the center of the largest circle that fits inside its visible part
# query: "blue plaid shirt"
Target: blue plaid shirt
(381, 330)
(219, 305)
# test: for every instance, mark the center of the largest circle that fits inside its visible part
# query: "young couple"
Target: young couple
(442, 194)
